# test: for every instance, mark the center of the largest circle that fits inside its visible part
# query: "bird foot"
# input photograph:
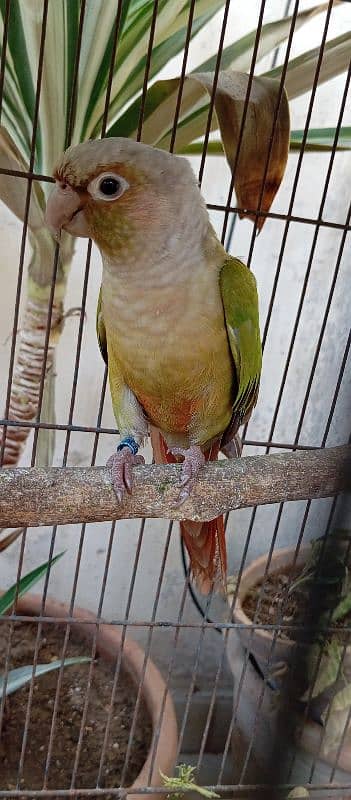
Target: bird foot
(121, 464)
(194, 459)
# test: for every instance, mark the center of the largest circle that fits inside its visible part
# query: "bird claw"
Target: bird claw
(194, 459)
(120, 464)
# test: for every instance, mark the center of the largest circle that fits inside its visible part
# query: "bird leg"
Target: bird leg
(233, 448)
(194, 459)
(121, 464)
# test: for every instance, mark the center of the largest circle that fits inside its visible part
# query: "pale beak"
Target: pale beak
(65, 210)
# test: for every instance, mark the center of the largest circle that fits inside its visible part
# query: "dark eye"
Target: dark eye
(109, 186)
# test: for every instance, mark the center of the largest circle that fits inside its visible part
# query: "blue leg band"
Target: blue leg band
(130, 443)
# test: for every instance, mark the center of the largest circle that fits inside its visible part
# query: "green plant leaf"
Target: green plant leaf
(334, 729)
(301, 71)
(341, 700)
(96, 52)
(214, 148)
(321, 139)
(25, 583)
(53, 92)
(183, 782)
(342, 608)
(17, 44)
(170, 35)
(131, 50)
(22, 64)
(17, 678)
(13, 189)
(328, 668)
(239, 54)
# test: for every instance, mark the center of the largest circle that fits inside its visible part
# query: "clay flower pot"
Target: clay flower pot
(258, 712)
(258, 718)
(259, 641)
(108, 645)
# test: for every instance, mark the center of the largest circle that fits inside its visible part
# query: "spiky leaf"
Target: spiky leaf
(25, 583)
(328, 668)
(17, 678)
(301, 71)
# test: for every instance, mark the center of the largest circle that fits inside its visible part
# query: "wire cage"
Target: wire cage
(230, 676)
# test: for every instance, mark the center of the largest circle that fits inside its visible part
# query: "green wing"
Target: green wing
(101, 330)
(240, 302)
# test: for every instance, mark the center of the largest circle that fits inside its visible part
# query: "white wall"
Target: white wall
(242, 18)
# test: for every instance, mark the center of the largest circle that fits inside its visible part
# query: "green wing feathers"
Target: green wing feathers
(101, 330)
(240, 302)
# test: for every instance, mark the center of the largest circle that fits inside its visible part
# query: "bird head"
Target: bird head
(118, 191)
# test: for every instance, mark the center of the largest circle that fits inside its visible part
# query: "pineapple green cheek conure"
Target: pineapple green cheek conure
(177, 317)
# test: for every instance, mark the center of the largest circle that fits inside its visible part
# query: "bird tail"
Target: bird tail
(205, 541)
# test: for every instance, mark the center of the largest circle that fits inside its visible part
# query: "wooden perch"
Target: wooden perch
(33, 496)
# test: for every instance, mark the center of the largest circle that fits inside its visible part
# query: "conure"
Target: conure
(177, 318)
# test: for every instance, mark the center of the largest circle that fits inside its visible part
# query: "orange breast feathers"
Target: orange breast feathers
(172, 414)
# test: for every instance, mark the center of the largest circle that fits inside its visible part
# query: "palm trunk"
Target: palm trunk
(33, 360)
(28, 371)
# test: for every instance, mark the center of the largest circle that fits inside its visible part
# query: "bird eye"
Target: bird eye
(108, 187)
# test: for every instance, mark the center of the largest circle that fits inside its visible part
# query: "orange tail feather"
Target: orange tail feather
(205, 541)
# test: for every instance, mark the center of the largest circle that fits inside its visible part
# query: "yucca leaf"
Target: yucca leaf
(25, 583)
(328, 668)
(92, 102)
(321, 139)
(342, 699)
(13, 192)
(169, 38)
(13, 189)
(17, 44)
(342, 608)
(100, 83)
(17, 678)
(14, 111)
(214, 148)
(22, 62)
(94, 60)
(201, 8)
(301, 71)
(239, 54)
(72, 27)
(53, 92)
(161, 54)
(335, 726)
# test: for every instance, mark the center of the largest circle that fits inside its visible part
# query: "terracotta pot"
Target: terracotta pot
(108, 645)
(255, 726)
(259, 641)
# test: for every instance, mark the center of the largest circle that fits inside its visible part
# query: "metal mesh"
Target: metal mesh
(243, 529)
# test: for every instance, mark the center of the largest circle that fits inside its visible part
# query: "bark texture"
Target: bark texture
(36, 496)
(27, 374)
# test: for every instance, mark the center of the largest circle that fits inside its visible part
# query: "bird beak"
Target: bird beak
(65, 210)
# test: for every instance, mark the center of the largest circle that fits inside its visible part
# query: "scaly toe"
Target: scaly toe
(194, 459)
(120, 465)
(184, 494)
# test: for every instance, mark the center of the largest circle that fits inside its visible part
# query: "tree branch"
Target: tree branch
(36, 496)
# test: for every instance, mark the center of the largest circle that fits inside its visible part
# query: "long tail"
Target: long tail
(205, 541)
